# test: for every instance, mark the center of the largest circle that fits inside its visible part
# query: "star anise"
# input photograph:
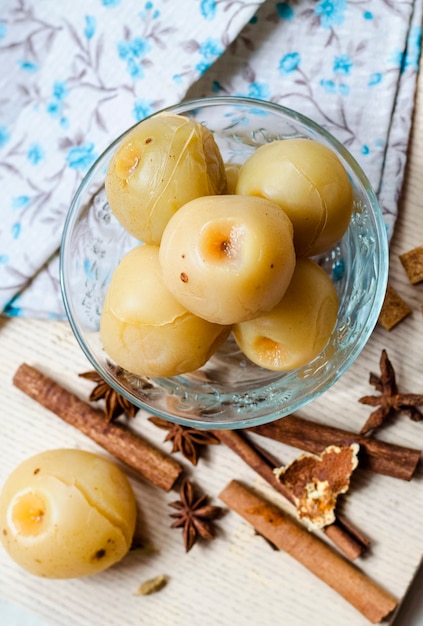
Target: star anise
(115, 403)
(186, 440)
(194, 515)
(390, 402)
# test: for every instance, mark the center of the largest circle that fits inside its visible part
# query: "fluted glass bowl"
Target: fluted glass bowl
(229, 391)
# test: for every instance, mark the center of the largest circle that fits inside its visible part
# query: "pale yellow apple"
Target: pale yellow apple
(309, 182)
(228, 258)
(162, 163)
(67, 513)
(145, 330)
(298, 328)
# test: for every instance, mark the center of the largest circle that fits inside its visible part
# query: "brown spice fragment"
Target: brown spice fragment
(344, 535)
(317, 481)
(317, 556)
(152, 586)
(187, 441)
(394, 309)
(375, 455)
(412, 262)
(115, 403)
(129, 447)
(194, 515)
(390, 401)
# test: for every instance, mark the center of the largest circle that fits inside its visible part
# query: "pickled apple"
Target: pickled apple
(228, 258)
(232, 173)
(163, 162)
(298, 328)
(309, 182)
(145, 330)
(67, 513)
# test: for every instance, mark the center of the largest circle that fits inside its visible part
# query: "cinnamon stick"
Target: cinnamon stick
(375, 455)
(153, 464)
(349, 540)
(317, 556)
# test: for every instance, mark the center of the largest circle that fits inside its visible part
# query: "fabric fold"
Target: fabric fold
(78, 75)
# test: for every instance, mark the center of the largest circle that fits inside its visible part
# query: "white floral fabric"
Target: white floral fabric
(75, 74)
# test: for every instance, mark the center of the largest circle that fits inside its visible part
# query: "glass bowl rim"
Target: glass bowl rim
(190, 105)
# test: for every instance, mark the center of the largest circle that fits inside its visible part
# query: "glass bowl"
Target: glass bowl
(229, 391)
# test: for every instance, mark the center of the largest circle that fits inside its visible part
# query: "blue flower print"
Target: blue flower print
(11, 311)
(35, 154)
(12, 308)
(375, 79)
(28, 66)
(328, 85)
(16, 230)
(331, 87)
(343, 89)
(289, 62)
(132, 52)
(139, 47)
(110, 3)
(208, 9)
(4, 136)
(4, 258)
(203, 66)
(412, 54)
(261, 91)
(90, 25)
(135, 69)
(342, 64)
(331, 12)
(368, 15)
(123, 49)
(135, 48)
(55, 107)
(3, 30)
(284, 11)
(60, 89)
(209, 50)
(142, 108)
(149, 12)
(398, 58)
(19, 202)
(81, 157)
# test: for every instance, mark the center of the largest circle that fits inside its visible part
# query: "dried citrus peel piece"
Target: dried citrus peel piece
(316, 481)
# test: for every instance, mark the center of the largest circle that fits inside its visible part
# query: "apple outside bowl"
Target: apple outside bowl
(229, 391)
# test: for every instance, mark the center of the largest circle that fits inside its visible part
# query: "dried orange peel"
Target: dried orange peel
(316, 481)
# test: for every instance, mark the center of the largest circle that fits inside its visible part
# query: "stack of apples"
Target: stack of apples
(224, 249)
